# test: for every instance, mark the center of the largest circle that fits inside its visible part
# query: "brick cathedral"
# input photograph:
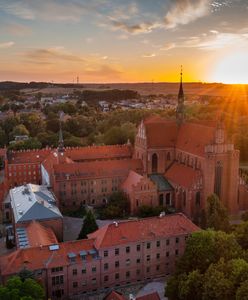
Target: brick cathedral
(173, 163)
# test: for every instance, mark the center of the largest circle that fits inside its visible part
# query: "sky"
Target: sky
(124, 40)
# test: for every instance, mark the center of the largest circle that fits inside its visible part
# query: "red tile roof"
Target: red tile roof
(152, 296)
(99, 152)
(141, 230)
(42, 257)
(28, 156)
(38, 234)
(193, 138)
(96, 169)
(161, 132)
(182, 175)
(113, 295)
(132, 179)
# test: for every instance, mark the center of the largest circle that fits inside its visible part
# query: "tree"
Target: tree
(115, 135)
(117, 206)
(241, 234)
(16, 289)
(242, 291)
(216, 214)
(89, 225)
(191, 287)
(19, 130)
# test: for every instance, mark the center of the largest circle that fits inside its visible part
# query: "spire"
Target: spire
(180, 101)
(61, 140)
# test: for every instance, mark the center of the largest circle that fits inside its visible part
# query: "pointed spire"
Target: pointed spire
(180, 100)
(61, 140)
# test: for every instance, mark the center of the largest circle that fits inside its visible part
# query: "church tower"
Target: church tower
(180, 101)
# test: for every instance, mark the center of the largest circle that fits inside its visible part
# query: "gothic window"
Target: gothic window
(218, 178)
(198, 198)
(154, 163)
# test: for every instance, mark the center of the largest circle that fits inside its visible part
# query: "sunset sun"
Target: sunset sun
(232, 69)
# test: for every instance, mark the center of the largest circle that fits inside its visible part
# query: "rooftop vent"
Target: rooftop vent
(53, 247)
(115, 223)
(20, 212)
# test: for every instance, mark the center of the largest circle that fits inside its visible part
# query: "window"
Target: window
(117, 264)
(148, 258)
(127, 262)
(75, 284)
(117, 251)
(198, 199)
(138, 271)
(158, 244)
(148, 246)
(138, 247)
(167, 254)
(74, 272)
(127, 274)
(148, 269)
(84, 270)
(218, 178)
(176, 252)
(105, 253)
(93, 280)
(93, 269)
(106, 278)
(117, 275)
(154, 163)
(177, 240)
(84, 283)
(138, 260)
(106, 266)
(57, 280)
(167, 242)
(158, 256)
(158, 267)
(57, 269)
(168, 199)
(128, 249)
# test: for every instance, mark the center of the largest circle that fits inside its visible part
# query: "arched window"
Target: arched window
(198, 198)
(218, 179)
(154, 163)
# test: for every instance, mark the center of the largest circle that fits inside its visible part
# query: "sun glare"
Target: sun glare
(232, 69)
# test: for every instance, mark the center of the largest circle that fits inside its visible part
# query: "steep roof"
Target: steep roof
(99, 152)
(193, 137)
(113, 295)
(34, 234)
(182, 175)
(28, 156)
(32, 202)
(142, 229)
(132, 179)
(160, 132)
(44, 257)
(95, 169)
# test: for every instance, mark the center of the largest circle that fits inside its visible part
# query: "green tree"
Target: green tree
(3, 138)
(117, 206)
(191, 287)
(19, 130)
(242, 291)
(115, 135)
(241, 234)
(216, 214)
(89, 225)
(16, 289)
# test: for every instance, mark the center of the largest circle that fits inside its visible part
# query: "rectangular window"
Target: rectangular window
(127, 274)
(106, 278)
(177, 240)
(117, 264)
(93, 269)
(74, 271)
(148, 269)
(106, 266)
(176, 252)
(167, 254)
(138, 260)
(93, 280)
(84, 271)
(158, 267)
(105, 253)
(138, 272)
(158, 255)
(128, 249)
(148, 246)
(75, 284)
(138, 247)
(167, 242)
(148, 258)
(158, 244)
(127, 262)
(117, 276)
(117, 252)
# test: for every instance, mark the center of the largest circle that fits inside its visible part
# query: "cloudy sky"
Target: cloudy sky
(123, 40)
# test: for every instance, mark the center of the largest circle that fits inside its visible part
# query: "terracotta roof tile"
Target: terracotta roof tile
(28, 156)
(113, 295)
(143, 229)
(96, 169)
(182, 175)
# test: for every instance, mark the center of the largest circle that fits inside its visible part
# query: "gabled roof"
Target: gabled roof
(32, 202)
(132, 179)
(96, 169)
(161, 182)
(142, 230)
(160, 133)
(182, 175)
(36, 258)
(113, 295)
